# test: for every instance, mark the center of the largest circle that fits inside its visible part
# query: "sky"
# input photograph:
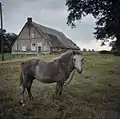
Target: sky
(53, 14)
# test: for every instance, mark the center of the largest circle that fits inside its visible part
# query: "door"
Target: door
(39, 49)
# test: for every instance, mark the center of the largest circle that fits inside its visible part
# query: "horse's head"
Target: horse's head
(78, 62)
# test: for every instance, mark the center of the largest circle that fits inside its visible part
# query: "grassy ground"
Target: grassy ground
(8, 57)
(95, 94)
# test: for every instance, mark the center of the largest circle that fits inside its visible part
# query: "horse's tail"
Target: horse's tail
(71, 77)
(21, 75)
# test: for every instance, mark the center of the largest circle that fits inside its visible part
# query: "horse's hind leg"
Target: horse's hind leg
(22, 89)
(29, 89)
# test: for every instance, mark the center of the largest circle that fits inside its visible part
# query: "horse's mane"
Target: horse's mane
(64, 55)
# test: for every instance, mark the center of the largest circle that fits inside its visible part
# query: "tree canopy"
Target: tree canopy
(8, 40)
(106, 13)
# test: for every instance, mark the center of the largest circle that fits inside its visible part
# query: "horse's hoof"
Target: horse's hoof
(21, 102)
(23, 105)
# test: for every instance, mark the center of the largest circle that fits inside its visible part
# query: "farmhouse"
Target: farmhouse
(35, 38)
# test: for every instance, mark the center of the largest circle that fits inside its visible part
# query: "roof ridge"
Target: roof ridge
(48, 27)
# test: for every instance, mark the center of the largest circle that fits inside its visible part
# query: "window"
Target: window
(33, 44)
(45, 47)
(33, 47)
(23, 48)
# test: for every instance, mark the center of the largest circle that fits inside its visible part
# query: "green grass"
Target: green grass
(10, 57)
(95, 94)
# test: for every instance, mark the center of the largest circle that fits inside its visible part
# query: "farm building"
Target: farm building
(35, 38)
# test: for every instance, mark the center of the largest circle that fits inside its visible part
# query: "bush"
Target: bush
(105, 52)
(116, 53)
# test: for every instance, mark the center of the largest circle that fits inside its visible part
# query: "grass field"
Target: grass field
(95, 94)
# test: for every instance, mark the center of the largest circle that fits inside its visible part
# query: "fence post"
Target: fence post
(2, 42)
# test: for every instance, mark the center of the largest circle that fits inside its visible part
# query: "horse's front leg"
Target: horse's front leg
(29, 89)
(59, 88)
(22, 90)
(29, 93)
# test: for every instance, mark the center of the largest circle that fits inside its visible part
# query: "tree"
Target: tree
(89, 50)
(113, 45)
(8, 40)
(106, 13)
(11, 37)
(84, 50)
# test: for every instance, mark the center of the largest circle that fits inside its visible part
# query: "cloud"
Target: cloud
(93, 44)
(51, 13)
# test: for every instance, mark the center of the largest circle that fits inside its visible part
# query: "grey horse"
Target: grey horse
(56, 71)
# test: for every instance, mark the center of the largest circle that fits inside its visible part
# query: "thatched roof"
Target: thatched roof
(54, 41)
(54, 37)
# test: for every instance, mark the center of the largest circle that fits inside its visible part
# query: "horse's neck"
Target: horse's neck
(70, 66)
(67, 65)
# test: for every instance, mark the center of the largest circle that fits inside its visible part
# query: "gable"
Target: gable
(28, 32)
(28, 35)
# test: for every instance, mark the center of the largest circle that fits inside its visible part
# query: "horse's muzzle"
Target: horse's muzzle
(80, 71)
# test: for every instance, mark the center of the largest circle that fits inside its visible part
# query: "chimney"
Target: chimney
(29, 19)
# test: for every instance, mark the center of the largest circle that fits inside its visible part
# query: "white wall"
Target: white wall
(24, 44)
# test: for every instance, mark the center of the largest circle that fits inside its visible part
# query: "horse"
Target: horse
(57, 71)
